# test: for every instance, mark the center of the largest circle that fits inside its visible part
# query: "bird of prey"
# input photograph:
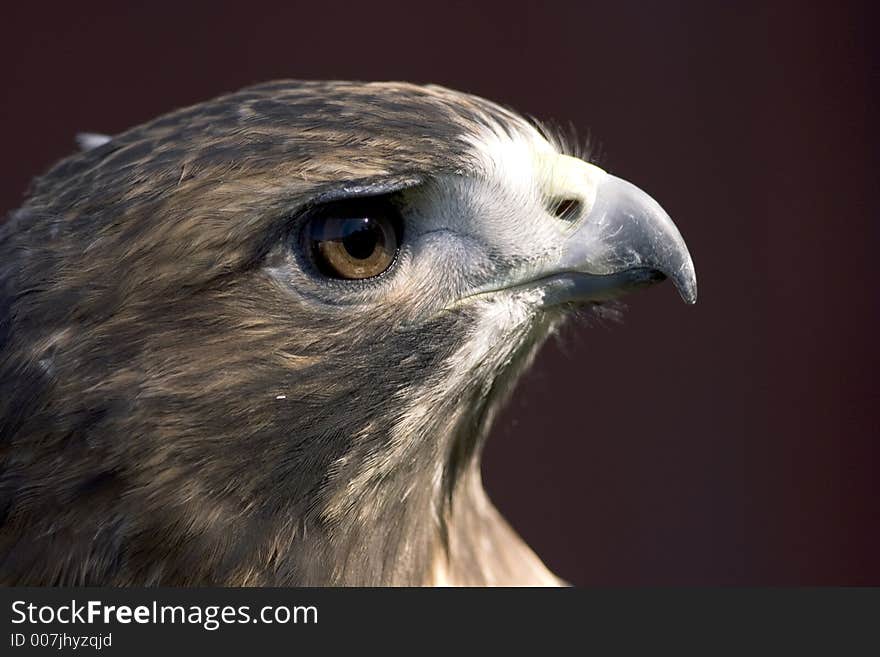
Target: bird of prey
(260, 340)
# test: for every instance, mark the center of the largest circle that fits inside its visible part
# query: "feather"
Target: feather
(89, 140)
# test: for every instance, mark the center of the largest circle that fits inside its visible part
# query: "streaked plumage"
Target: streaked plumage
(184, 400)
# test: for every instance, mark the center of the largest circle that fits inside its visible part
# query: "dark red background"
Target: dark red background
(734, 442)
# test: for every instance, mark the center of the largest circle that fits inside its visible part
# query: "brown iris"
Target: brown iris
(353, 239)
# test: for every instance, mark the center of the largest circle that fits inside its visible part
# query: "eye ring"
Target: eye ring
(353, 239)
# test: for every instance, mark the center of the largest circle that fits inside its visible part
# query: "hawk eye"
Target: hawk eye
(353, 239)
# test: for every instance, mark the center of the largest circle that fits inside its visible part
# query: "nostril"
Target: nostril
(566, 208)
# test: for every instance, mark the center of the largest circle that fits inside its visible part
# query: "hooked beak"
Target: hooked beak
(624, 241)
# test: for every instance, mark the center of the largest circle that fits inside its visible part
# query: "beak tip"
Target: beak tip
(687, 289)
(686, 281)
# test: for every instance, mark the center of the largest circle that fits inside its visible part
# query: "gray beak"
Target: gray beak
(625, 241)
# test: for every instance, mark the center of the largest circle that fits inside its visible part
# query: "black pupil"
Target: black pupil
(360, 236)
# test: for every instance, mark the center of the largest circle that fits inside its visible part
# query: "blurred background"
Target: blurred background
(730, 443)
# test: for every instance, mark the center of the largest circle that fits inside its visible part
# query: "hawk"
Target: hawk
(260, 341)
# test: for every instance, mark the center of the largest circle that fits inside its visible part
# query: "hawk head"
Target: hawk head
(259, 341)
